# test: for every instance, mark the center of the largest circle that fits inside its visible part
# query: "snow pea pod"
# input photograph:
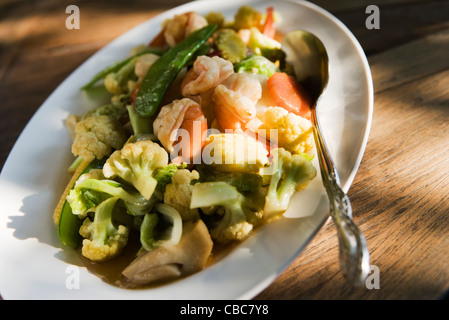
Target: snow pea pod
(69, 224)
(118, 65)
(162, 73)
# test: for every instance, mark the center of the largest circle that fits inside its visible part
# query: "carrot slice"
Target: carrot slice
(289, 94)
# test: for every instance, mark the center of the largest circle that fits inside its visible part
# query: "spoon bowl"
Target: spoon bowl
(310, 61)
(308, 56)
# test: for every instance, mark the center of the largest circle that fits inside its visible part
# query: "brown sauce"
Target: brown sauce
(111, 271)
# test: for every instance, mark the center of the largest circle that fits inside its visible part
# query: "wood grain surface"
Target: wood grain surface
(400, 195)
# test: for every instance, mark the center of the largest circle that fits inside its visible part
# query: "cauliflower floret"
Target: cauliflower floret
(91, 189)
(96, 251)
(288, 173)
(235, 230)
(103, 240)
(123, 80)
(92, 174)
(80, 205)
(294, 133)
(238, 215)
(96, 136)
(235, 152)
(135, 163)
(179, 191)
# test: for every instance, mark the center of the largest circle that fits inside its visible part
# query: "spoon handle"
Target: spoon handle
(354, 256)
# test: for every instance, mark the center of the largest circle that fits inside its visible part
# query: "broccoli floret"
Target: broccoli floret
(239, 217)
(247, 17)
(216, 18)
(230, 46)
(96, 136)
(178, 193)
(288, 174)
(103, 240)
(116, 109)
(160, 229)
(135, 163)
(256, 64)
(165, 175)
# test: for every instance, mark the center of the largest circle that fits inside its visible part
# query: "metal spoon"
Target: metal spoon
(311, 64)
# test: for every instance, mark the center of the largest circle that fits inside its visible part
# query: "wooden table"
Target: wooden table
(400, 195)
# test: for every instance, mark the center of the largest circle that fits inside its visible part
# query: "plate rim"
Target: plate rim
(251, 292)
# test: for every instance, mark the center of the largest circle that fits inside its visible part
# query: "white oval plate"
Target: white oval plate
(35, 266)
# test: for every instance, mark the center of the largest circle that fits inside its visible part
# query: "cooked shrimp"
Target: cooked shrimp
(235, 100)
(206, 73)
(176, 29)
(179, 126)
(201, 80)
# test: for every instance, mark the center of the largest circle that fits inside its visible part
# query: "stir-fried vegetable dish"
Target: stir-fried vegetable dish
(206, 137)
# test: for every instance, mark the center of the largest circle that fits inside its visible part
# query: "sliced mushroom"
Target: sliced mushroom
(167, 263)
